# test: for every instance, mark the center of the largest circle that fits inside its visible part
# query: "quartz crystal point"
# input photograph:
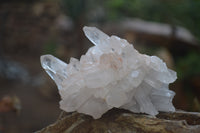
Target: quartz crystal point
(111, 74)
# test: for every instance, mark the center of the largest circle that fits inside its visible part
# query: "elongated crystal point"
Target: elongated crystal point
(97, 37)
(55, 68)
(111, 74)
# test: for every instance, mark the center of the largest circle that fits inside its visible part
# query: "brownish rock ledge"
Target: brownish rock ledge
(123, 121)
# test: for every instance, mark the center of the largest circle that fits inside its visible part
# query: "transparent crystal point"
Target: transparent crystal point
(97, 37)
(55, 68)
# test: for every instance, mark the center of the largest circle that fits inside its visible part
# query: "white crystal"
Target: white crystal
(111, 74)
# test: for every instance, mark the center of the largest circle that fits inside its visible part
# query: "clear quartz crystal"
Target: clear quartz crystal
(111, 74)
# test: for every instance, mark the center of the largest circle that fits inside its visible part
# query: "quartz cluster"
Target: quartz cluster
(111, 74)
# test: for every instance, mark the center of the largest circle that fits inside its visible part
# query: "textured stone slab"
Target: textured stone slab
(123, 121)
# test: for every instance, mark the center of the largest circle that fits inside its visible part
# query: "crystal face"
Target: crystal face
(111, 74)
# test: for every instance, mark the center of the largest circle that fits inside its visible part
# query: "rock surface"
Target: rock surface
(123, 121)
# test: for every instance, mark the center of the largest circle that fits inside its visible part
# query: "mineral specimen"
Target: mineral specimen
(111, 74)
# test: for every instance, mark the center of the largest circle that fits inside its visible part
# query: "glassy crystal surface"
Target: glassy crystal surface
(111, 74)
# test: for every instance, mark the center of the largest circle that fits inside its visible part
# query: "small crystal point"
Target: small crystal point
(55, 68)
(111, 74)
(97, 37)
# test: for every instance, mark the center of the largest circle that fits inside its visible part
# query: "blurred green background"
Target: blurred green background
(29, 101)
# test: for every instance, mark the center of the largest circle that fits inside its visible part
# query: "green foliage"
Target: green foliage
(185, 13)
(81, 10)
(50, 47)
(189, 65)
(180, 12)
(74, 8)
